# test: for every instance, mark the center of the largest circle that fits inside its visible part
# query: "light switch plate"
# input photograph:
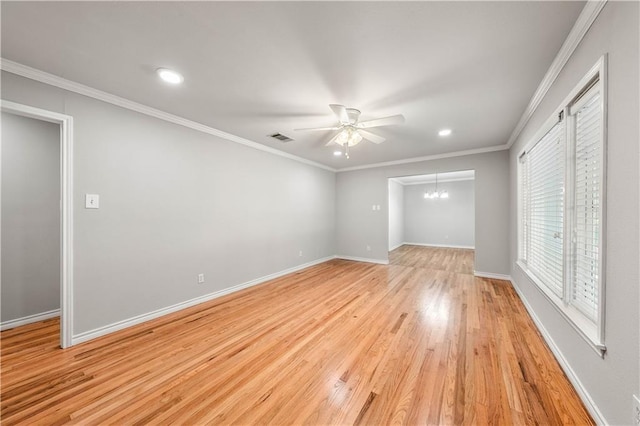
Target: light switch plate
(92, 201)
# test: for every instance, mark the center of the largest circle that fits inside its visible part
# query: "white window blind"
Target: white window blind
(587, 196)
(524, 207)
(561, 207)
(545, 166)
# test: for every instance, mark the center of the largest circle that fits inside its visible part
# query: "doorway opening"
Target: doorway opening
(27, 215)
(432, 220)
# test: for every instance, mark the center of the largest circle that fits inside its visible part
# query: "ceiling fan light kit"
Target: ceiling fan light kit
(348, 136)
(351, 131)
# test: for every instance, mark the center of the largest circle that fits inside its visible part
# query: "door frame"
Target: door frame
(66, 208)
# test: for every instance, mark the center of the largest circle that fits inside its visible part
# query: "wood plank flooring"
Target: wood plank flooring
(434, 258)
(413, 342)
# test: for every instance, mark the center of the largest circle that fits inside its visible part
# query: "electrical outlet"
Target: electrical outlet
(368, 248)
(300, 253)
(200, 278)
(636, 410)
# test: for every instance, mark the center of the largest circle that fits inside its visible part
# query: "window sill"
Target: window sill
(585, 328)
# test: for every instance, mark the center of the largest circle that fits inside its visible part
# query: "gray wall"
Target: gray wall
(441, 222)
(30, 217)
(359, 226)
(610, 381)
(175, 202)
(396, 214)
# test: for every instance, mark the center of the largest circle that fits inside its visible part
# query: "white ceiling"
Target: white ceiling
(256, 68)
(431, 178)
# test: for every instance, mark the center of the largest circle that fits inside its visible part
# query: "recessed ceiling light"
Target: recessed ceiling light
(444, 132)
(170, 76)
(337, 153)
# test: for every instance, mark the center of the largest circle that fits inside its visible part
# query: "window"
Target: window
(545, 164)
(561, 207)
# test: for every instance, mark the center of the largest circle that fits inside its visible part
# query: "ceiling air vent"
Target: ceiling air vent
(281, 137)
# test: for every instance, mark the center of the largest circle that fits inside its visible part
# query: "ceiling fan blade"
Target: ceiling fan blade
(371, 136)
(385, 121)
(341, 112)
(333, 139)
(316, 128)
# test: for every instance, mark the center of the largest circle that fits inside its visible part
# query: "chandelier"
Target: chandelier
(435, 193)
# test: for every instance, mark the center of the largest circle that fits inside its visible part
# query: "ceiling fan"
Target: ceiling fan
(351, 131)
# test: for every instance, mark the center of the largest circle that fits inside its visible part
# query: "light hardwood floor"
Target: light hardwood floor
(434, 258)
(414, 342)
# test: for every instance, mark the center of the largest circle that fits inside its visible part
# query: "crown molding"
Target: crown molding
(71, 86)
(428, 182)
(427, 158)
(588, 15)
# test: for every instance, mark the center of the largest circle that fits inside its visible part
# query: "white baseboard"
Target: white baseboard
(492, 275)
(101, 331)
(363, 259)
(396, 246)
(564, 364)
(440, 245)
(29, 319)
